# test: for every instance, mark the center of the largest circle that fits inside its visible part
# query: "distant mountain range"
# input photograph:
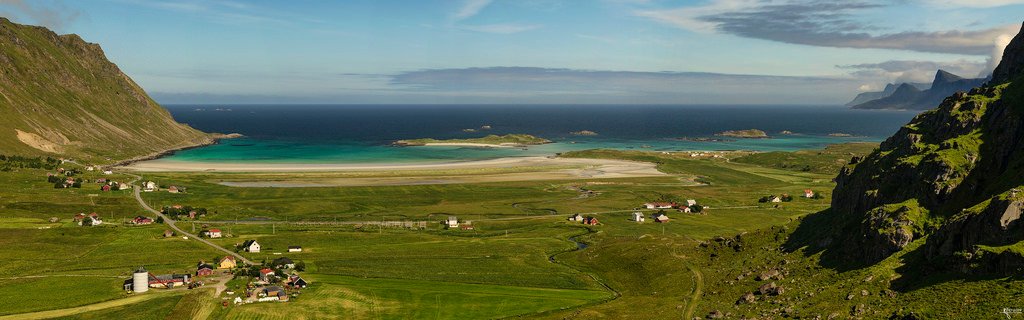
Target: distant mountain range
(915, 96)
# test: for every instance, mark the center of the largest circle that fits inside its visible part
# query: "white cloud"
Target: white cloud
(971, 3)
(469, 9)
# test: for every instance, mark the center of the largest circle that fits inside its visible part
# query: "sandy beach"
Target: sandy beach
(532, 168)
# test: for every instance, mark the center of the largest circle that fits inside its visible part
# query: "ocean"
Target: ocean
(363, 133)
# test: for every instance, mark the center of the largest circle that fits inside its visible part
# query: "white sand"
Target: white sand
(610, 166)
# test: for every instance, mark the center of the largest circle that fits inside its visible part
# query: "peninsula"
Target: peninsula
(489, 141)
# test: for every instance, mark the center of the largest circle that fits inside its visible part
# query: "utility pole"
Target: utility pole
(273, 228)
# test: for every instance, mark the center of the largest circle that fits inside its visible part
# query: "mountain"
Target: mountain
(943, 85)
(947, 186)
(889, 89)
(61, 97)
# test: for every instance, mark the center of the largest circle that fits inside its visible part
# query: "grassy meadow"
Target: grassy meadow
(520, 259)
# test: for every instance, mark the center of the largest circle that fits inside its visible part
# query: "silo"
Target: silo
(140, 280)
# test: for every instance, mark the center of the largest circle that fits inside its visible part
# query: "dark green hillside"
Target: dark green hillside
(60, 96)
(949, 178)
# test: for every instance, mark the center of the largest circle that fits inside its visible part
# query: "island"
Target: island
(493, 141)
(583, 133)
(748, 134)
(840, 135)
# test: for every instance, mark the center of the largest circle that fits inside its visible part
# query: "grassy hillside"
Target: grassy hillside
(60, 96)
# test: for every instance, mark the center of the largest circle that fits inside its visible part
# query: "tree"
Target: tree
(159, 219)
(696, 208)
(87, 222)
(300, 266)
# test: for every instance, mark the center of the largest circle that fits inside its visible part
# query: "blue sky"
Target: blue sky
(532, 51)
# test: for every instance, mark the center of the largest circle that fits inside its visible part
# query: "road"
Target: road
(172, 223)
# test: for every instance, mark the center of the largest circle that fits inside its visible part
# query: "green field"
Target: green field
(520, 259)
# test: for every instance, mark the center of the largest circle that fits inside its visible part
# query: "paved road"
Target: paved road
(171, 223)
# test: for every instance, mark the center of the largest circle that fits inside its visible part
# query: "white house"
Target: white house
(452, 222)
(638, 217)
(776, 199)
(251, 246)
(149, 186)
(96, 221)
(213, 233)
(691, 202)
(89, 168)
(659, 205)
(108, 172)
(294, 249)
(576, 217)
(685, 210)
(808, 193)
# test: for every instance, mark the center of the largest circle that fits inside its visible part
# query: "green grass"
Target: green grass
(827, 161)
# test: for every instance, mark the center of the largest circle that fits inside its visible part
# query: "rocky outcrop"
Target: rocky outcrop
(947, 175)
(909, 97)
(1012, 64)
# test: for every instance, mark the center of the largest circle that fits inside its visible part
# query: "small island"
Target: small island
(583, 133)
(490, 141)
(747, 134)
(840, 135)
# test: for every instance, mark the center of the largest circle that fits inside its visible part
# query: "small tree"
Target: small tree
(159, 219)
(87, 222)
(696, 208)
(300, 266)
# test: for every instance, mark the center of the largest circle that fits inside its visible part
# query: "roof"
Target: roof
(214, 230)
(228, 258)
(204, 266)
(294, 247)
(249, 242)
(266, 270)
(661, 203)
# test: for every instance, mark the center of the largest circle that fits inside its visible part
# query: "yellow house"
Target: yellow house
(227, 263)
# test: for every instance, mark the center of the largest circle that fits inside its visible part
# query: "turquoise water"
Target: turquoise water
(363, 134)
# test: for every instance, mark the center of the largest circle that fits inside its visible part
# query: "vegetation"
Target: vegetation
(62, 98)
(495, 140)
(827, 161)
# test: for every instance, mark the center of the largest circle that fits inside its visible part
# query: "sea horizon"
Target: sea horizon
(362, 133)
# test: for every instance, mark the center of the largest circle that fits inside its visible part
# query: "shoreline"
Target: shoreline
(164, 165)
(213, 139)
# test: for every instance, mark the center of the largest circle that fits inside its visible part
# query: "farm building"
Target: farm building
(466, 227)
(172, 189)
(576, 217)
(659, 205)
(149, 186)
(142, 220)
(776, 199)
(203, 269)
(808, 193)
(685, 209)
(169, 280)
(227, 263)
(296, 282)
(638, 216)
(591, 221)
(661, 218)
(105, 187)
(168, 233)
(294, 249)
(251, 246)
(451, 222)
(691, 202)
(283, 262)
(213, 233)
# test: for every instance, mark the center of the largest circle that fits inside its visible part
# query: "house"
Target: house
(452, 222)
(122, 186)
(227, 263)
(168, 233)
(576, 217)
(283, 262)
(172, 189)
(659, 205)
(685, 209)
(101, 180)
(213, 233)
(78, 218)
(93, 218)
(294, 249)
(776, 199)
(149, 186)
(105, 187)
(90, 168)
(108, 172)
(272, 291)
(203, 269)
(251, 246)
(808, 193)
(296, 282)
(590, 221)
(466, 227)
(141, 221)
(661, 218)
(638, 217)
(265, 274)
(192, 214)
(691, 202)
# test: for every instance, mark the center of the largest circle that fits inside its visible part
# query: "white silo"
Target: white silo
(140, 280)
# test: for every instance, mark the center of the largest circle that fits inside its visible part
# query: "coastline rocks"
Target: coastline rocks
(583, 133)
(746, 134)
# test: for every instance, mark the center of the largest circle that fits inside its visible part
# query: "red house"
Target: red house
(265, 274)
(105, 187)
(204, 269)
(142, 220)
(590, 221)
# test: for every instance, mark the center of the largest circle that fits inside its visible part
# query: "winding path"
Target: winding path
(171, 223)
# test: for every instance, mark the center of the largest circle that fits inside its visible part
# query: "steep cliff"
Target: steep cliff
(950, 175)
(60, 96)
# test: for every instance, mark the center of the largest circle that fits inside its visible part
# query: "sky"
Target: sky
(811, 52)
